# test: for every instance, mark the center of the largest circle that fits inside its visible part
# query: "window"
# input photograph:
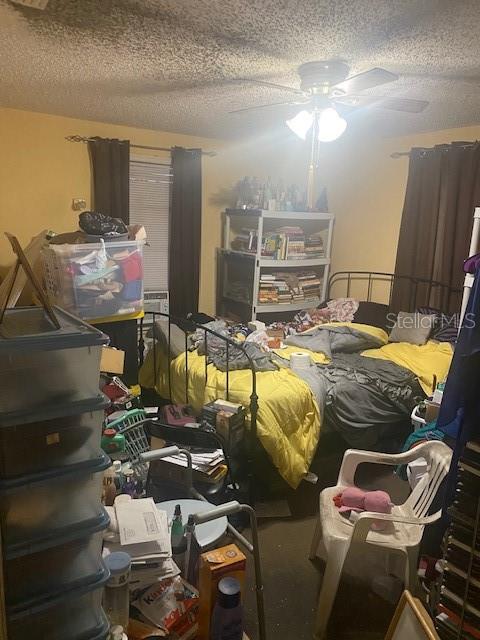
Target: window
(150, 182)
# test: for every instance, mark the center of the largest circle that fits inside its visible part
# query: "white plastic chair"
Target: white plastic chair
(403, 534)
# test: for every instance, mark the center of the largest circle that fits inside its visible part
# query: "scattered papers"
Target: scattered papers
(141, 530)
(141, 521)
(203, 462)
(144, 575)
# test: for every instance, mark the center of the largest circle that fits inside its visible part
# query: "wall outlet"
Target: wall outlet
(79, 204)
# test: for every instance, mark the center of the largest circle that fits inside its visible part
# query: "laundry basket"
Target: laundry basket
(131, 426)
(95, 280)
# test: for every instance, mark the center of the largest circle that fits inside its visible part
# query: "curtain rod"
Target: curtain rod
(399, 154)
(77, 138)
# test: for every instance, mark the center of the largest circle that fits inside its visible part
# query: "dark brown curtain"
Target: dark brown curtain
(185, 231)
(443, 189)
(111, 176)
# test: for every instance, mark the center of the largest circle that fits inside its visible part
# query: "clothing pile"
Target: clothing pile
(337, 310)
(97, 271)
(106, 280)
(216, 348)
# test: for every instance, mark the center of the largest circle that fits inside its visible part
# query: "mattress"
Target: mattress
(288, 420)
(290, 410)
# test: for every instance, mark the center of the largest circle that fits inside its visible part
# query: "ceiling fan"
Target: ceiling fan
(324, 84)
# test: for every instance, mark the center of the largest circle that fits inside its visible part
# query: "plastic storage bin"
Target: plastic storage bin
(39, 441)
(96, 280)
(40, 507)
(68, 561)
(41, 366)
(75, 615)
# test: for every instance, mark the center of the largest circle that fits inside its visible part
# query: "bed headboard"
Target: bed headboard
(377, 286)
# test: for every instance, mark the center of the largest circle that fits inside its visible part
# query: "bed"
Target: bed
(363, 386)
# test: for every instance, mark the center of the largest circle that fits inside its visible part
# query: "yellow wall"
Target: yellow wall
(366, 192)
(40, 173)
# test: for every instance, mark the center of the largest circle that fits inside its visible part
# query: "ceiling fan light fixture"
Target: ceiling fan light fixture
(330, 125)
(301, 123)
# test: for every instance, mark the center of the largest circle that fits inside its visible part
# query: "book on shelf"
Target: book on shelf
(285, 288)
(291, 243)
(245, 241)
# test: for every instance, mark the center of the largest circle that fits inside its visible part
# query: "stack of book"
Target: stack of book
(245, 241)
(267, 293)
(314, 246)
(285, 243)
(295, 242)
(274, 289)
(278, 288)
(309, 283)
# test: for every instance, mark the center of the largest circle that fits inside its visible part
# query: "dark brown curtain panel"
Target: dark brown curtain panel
(111, 176)
(443, 189)
(185, 231)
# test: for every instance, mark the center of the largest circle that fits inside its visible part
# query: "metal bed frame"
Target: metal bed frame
(189, 326)
(422, 291)
(344, 278)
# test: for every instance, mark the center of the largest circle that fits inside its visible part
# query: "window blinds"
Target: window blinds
(150, 184)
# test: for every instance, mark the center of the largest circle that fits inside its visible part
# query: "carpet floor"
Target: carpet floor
(292, 581)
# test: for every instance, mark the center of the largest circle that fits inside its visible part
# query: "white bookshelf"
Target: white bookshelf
(247, 266)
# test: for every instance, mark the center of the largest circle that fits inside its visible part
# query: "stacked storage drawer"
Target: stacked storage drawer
(459, 608)
(51, 470)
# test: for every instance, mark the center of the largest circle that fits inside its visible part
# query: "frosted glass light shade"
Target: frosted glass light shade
(301, 123)
(330, 125)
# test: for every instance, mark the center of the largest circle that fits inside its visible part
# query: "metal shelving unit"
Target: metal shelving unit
(247, 266)
(458, 613)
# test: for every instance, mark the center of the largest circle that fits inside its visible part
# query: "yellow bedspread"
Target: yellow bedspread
(426, 360)
(288, 422)
(289, 419)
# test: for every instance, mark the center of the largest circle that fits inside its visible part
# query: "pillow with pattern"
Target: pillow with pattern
(446, 324)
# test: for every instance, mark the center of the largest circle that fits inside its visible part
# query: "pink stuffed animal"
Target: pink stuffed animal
(358, 500)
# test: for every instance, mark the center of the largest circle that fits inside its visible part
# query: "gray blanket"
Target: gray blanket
(217, 353)
(217, 350)
(330, 340)
(362, 398)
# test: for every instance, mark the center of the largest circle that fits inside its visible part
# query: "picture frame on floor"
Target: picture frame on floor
(411, 621)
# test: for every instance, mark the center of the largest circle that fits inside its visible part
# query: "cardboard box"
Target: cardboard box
(432, 411)
(275, 333)
(215, 565)
(112, 360)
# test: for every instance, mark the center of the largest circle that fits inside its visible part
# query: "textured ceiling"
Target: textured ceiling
(172, 64)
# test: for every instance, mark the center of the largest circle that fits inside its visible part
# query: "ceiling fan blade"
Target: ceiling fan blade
(408, 105)
(271, 104)
(274, 85)
(366, 80)
(404, 104)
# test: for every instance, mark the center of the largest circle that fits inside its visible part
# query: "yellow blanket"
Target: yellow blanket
(288, 422)
(289, 419)
(426, 360)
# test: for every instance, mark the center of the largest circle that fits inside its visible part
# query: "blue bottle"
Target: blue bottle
(227, 616)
